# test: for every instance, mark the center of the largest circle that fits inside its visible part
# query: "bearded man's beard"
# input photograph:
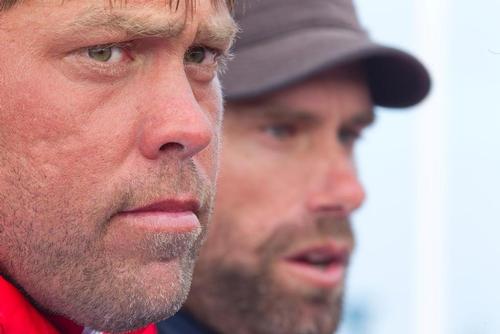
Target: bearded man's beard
(233, 298)
(263, 307)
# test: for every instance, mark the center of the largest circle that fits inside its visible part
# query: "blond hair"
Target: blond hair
(6, 4)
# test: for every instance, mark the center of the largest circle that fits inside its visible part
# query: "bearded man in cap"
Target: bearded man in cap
(301, 90)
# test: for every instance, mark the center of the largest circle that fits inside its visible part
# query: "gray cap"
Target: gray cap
(285, 41)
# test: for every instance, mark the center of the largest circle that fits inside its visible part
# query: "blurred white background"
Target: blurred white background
(427, 254)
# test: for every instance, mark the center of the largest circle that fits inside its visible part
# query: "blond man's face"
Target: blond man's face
(109, 132)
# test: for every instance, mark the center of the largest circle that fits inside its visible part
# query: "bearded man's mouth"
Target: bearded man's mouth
(323, 265)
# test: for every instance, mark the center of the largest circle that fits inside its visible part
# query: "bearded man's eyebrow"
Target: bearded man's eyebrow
(365, 118)
(276, 112)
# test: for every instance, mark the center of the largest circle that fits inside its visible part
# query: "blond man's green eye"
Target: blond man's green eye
(195, 55)
(105, 54)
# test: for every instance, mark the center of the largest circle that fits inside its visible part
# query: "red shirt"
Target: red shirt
(17, 316)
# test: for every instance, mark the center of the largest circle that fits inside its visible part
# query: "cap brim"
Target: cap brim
(396, 78)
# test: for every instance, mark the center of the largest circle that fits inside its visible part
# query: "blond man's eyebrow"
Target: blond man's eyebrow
(141, 24)
(218, 31)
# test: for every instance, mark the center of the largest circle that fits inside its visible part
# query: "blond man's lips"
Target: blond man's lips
(169, 215)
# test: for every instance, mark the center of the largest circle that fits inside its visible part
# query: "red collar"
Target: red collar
(17, 315)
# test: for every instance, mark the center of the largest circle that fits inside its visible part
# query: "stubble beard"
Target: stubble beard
(73, 274)
(233, 298)
(258, 305)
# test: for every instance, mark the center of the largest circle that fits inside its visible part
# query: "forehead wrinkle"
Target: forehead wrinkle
(144, 22)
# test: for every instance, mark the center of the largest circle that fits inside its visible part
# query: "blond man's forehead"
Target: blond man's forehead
(132, 18)
(146, 18)
(7, 4)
